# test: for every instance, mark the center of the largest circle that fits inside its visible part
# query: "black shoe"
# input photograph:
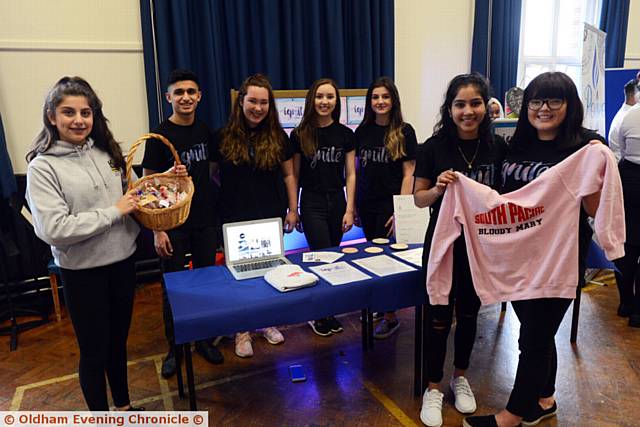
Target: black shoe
(334, 324)
(136, 408)
(539, 415)
(625, 310)
(169, 365)
(634, 320)
(210, 352)
(480, 421)
(321, 327)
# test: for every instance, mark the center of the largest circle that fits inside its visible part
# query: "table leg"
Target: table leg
(418, 369)
(190, 380)
(370, 329)
(178, 351)
(364, 327)
(576, 315)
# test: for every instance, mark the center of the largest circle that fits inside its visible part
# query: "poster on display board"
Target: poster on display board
(592, 82)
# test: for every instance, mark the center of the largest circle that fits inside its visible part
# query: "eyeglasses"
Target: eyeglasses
(552, 103)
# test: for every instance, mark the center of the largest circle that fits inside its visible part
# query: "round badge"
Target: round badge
(373, 250)
(349, 250)
(380, 241)
(399, 246)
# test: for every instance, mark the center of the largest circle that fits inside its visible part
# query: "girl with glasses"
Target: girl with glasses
(463, 142)
(549, 130)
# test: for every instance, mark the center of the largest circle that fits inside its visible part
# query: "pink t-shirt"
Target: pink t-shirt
(524, 244)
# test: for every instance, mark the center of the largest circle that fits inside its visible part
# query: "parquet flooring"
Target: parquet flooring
(598, 381)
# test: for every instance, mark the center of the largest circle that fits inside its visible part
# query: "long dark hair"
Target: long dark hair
(100, 133)
(552, 84)
(306, 130)
(268, 138)
(393, 138)
(446, 126)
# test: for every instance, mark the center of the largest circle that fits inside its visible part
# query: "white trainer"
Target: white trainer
(243, 345)
(465, 401)
(272, 335)
(431, 412)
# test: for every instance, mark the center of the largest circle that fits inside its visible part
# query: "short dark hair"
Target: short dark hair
(631, 87)
(181, 75)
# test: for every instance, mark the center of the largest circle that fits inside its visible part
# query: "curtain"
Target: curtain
(496, 39)
(293, 42)
(7, 180)
(614, 19)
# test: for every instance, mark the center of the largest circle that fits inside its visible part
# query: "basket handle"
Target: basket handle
(139, 141)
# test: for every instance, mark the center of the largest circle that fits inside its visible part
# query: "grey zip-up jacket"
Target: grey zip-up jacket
(72, 191)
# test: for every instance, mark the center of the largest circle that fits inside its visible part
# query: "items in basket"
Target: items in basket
(158, 195)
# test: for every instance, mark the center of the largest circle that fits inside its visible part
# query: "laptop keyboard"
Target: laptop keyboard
(259, 265)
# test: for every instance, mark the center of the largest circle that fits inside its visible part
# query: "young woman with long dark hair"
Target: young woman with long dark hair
(463, 142)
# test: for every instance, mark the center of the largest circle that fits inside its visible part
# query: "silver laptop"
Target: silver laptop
(252, 248)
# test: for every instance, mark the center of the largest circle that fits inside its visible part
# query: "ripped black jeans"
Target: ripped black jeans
(439, 318)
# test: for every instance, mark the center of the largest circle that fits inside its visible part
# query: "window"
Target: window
(551, 36)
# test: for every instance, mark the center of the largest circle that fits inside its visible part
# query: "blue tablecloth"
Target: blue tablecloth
(209, 302)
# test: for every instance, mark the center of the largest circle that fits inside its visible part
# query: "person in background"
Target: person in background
(549, 130)
(75, 183)
(628, 137)
(255, 162)
(495, 109)
(631, 95)
(325, 162)
(386, 150)
(198, 235)
(463, 142)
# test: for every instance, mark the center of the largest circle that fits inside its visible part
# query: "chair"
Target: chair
(54, 273)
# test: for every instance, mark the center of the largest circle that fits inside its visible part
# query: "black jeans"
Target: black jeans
(100, 304)
(373, 221)
(202, 243)
(439, 318)
(629, 284)
(538, 363)
(321, 215)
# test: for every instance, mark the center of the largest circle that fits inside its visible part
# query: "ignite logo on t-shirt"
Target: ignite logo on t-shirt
(484, 174)
(327, 155)
(197, 153)
(509, 214)
(525, 171)
(374, 155)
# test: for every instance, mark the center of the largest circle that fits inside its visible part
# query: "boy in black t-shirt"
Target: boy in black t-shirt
(191, 138)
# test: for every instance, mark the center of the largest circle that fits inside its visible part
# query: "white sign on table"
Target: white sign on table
(410, 221)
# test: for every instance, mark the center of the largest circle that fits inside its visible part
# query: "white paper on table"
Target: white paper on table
(327, 257)
(383, 265)
(413, 256)
(339, 273)
(410, 221)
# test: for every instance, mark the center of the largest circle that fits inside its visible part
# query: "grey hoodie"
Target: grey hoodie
(72, 191)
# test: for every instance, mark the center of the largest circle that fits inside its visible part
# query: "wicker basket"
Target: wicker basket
(167, 218)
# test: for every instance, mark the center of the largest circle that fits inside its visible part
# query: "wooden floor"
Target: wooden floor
(598, 381)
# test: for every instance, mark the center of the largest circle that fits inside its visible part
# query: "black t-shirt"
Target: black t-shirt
(439, 154)
(192, 144)
(380, 177)
(324, 172)
(247, 192)
(526, 162)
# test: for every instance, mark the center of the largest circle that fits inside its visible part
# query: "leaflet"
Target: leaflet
(325, 256)
(383, 265)
(339, 273)
(413, 256)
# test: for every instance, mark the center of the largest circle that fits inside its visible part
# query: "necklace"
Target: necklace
(469, 162)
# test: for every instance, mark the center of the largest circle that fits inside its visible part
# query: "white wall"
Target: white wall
(433, 44)
(41, 41)
(632, 51)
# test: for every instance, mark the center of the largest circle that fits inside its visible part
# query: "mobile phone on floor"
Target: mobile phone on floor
(297, 373)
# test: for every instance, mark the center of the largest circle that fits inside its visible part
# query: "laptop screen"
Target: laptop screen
(247, 241)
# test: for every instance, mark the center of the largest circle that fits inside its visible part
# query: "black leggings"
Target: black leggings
(321, 215)
(538, 363)
(439, 318)
(373, 222)
(100, 304)
(629, 286)
(202, 242)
